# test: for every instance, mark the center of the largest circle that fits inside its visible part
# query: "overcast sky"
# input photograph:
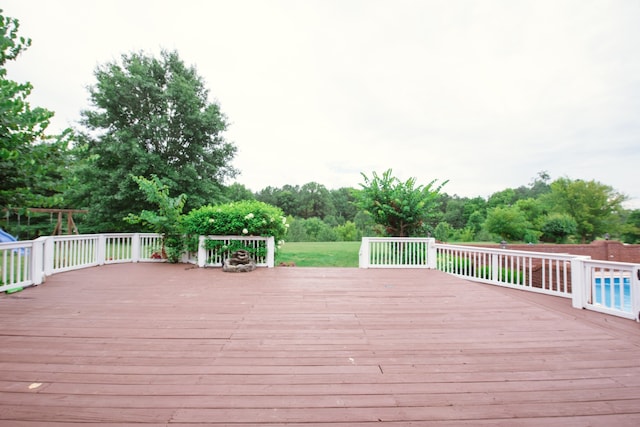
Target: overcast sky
(485, 94)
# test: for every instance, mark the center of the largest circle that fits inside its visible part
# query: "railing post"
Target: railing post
(578, 283)
(202, 252)
(271, 252)
(635, 291)
(48, 255)
(135, 247)
(101, 254)
(363, 261)
(432, 255)
(37, 261)
(495, 267)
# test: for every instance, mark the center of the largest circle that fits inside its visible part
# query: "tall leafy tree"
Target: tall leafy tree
(31, 163)
(286, 198)
(505, 197)
(237, 192)
(558, 227)
(402, 207)
(315, 201)
(454, 211)
(509, 222)
(594, 206)
(344, 201)
(631, 227)
(149, 116)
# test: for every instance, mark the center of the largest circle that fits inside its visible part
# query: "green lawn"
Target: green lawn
(319, 254)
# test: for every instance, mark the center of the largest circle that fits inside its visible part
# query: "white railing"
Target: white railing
(397, 252)
(19, 263)
(29, 262)
(88, 250)
(213, 250)
(608, 287)
(132, 247)
(533, 271)
(71, 253)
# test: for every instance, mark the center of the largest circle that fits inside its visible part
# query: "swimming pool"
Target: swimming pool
(601, 290)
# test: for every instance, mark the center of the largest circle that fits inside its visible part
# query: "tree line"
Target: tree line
(563, 210)
(150, 116)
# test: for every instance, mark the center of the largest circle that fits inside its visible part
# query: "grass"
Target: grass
(319, 254)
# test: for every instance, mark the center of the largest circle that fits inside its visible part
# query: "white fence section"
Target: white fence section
(604, 286)
(70, 253)
(397, 252)
(18, 264)
(132, 247)
(609, 287)
(533, 271)
(88, 250)
(29, 262)
(213, 250)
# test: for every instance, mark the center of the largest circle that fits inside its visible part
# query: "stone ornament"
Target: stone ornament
(239, 262)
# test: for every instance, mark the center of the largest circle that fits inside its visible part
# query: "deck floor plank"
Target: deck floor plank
(160, 344)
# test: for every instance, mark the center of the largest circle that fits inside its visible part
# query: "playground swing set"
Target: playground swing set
(58, 229)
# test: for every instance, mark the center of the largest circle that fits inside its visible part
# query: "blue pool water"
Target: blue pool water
(619, 290)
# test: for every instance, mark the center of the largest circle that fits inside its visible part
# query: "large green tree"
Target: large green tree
(344, 202)
(631, 227)
(594, 206)
(286, 198)
(509, 222)
(31, 163)
(314, 201)
(149, 116)
(401, 207)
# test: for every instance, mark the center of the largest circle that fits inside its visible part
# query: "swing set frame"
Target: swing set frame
(57, 231)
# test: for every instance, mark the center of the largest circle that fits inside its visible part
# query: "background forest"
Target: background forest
(151, 117)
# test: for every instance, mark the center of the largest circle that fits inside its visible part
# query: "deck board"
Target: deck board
(160, 344)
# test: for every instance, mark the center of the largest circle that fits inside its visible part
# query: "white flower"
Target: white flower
(249, 216)
(286, 225)
(212, 220)
(284, 220)
(245, 231)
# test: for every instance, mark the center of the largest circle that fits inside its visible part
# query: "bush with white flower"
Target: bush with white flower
(245, 218)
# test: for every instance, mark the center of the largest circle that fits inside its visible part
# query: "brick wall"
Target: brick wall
(604, 250)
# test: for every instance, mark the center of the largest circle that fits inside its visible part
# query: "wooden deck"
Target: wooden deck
(160, 344)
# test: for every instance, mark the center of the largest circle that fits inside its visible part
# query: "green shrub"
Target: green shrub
(347, 232)
(166, 219)
(245, 218)
(454, 264)
(443, 231)
(505, 275)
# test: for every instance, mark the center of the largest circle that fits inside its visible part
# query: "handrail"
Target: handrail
(16, 259)
(605, 286)
(397, 252)
(609, 287)
(29, 262)
(534, 271)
